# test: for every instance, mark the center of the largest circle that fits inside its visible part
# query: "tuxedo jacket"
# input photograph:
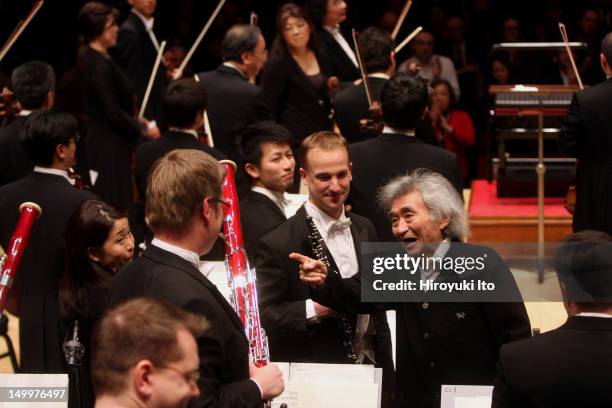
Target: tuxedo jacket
(136, 54)
(223, 348)
(566, 367)
(14, 162)
(149, 152)
(233, 104)
(333, 55)
(351, 105)
(37, 281)
(401, 154)
(282, 298)
(295, 102)
(587, 135)
(258, 215)
(440, 342)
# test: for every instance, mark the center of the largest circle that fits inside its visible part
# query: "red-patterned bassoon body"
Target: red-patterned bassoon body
(241, 278)
(17, 245)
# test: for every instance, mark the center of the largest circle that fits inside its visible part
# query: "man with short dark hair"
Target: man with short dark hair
(267, 157)
(234, 102)
(404, 100)
(144, 353)
(49, 140)
(184, 209)
(587, 135)
(183, 105)
(136, 51)
(569, 366)
(34, 88)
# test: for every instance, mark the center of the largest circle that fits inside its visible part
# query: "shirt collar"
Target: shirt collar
(24, 112)
(55, 172)
(332, 29)
(187, 255)
(323, 220)
(277, 198)
(381, 75)
(184, 130)
(388, 129)
(585, 314)
(148, 22)
(232, 66)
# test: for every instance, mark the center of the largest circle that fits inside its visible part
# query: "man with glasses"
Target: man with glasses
(145, 354)
(184, 211)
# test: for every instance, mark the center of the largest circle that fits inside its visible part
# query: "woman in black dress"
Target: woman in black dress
(109, 98)
(294, 83)
(98, 243)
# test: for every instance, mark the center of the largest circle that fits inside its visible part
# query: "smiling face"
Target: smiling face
(296, 33)
(327, 173)
(412, 223)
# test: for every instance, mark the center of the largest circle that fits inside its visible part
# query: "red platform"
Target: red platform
(496, 219)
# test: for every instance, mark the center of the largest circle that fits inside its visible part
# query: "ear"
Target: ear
(207, 210)
(303, 176)
(245, 57)
(252, 170)
(141, 378)
(444, 223)
(94, 254)
(50, 100)
(350, 171)
(604, 63)
(60, 151)
(199, 120)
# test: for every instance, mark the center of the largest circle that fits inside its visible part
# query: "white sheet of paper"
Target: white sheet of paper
(328, 395)
(473, 402)
(466, 396)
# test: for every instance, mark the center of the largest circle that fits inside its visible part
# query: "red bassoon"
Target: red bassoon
(9, 263)
(241, 278)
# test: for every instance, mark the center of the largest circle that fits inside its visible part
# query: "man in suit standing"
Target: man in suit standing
(49, 139)
(337, 52)
(184, 211)
(136, 51)
(587, 135)
(453, 341)
(234, 101)
(569, 366)
(267, 157)
(34, 88)
(299, 329)
(351, 104)
(404, 102)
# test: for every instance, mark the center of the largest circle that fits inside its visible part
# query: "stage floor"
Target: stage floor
(496, 219)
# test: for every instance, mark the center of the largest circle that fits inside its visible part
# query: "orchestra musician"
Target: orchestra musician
(587, 135)
(113, 130)
(233, 101)
(33, 85)
(49, 139)
(185, 212)
(136, 51)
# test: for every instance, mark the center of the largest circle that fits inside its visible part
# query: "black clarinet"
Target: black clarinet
(318, 249)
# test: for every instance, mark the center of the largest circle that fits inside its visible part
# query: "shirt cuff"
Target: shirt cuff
(258, 387)
(311, 315)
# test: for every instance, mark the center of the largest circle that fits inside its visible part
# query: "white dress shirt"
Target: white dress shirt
(148, 23)
(280, 199)
(335, 32)
(55, 172)
(204, 267)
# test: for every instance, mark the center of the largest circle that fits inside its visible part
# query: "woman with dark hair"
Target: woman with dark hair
(109, 103)
(501, 69)
(453, 128)
(294, 82)
(98, 243)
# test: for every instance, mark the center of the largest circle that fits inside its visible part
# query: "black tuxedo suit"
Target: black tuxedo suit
(223, 349)
(37, 280)
(440, 342)
(14, 163)
(282, 298)
(351, 105)
(563, 368)
(376, 161)
(136, 54)
(295, 102)
(258, 216)
(587, 135)
(149, 152)
(333, 55)
(233, 104)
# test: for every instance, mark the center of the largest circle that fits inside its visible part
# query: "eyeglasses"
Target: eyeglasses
(218, 200)
(191, 377)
